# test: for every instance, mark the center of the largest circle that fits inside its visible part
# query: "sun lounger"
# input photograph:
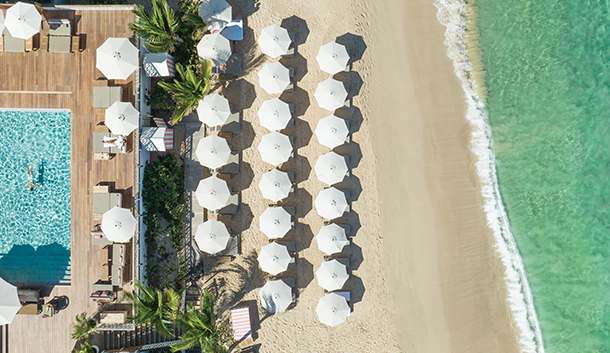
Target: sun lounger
(232, 206)
(98, 143)
(119, 254)
(30, 309)
(231, 125)
(118, 275)
(231, 69)
(98, 238)
(59, 27)
(102, 291)
(12, 44)
(290, 245)
(60, 44)
(242, 328)
(232, 166)
(233, 247)
(104, 201)
(103, 97)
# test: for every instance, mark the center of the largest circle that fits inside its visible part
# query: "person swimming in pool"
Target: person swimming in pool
(31, 184)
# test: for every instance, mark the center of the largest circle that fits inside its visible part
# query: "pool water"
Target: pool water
(35, 224)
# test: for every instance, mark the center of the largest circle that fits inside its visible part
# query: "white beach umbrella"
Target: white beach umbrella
(332, 309)
(332, 58)
(275, 185)
(332, 131)
(275, 148)
(119, 224)
(9, 302)
(117, 58)
(274, 41)
(275, 296)
(212, 236)
(274, 258)
(1, 21)
(275, 222)
(332, 275)
(215, 13)
(213, 109)
(122, 118)
(331, 94)
(331, 239)
(213, 151)
(23, 20)
(212, 193)
(331, 168)
(214, 47)
(274, 78)
(274, 114)
(331, 203)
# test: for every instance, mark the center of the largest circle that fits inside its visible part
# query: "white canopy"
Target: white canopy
(23, 20)
(117, 58)
(214, 47)
(274, 41)
(332, 58)
(215, 13)
(275, 296)
(1, 21)
(274, 78)
(274, 114)
(274, 258)
(122, 118)
(331, 203)
(212, 236)
(331, 168)
(275, 148)
(212, 193)
(331, 239)
(275, 222)
(213, 109)
(332, 131)
(213, 151)
(118, 224)
(330, 94)
(156, 138)
(332, 309)
(275, 185)
(332, 275)
(9, 302)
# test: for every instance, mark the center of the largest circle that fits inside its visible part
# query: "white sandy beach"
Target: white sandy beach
(425, 277)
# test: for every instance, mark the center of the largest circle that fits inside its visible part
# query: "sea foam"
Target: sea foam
(453, 14)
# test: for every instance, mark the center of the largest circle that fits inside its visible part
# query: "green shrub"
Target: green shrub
(105, 2)
(159, 98)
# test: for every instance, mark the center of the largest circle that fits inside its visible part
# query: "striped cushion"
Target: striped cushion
(241, 323)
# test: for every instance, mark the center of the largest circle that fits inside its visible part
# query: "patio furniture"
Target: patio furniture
(231, 125)
(48, 311)
(60, 44)
(12, 44)
(290, 245)
(118, 275)
(59, 27)
(103, 201)
(30, 309)
(98, 238)
(242, 328)
(104, 97)
(232, 67)
(98, 144)
(28, 295)
(232, 206)
(119, 254)
(233, 247)
(102, 291)
(232, 166)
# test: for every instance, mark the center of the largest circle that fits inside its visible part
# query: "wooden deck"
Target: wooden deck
(40, 79)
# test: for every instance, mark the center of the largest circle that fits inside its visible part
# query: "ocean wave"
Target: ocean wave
(453, 14)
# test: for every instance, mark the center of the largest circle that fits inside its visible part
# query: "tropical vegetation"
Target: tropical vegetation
(86, 347)
(155, 307)
(201, 328)
(83, 327)
(188, 88)
(159, 30)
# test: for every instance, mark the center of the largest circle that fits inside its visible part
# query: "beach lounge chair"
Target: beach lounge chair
(232, 206)
(30, 309)
(118, 275)
(231, 69)
(98, 144)
(98, 238)
(59, 27)
(232, 166)
(101, 291)
(231, 125)
(103, 200)
(242, 328)
(60, 44)
(12, 44)
(104, 97)
(233, 247)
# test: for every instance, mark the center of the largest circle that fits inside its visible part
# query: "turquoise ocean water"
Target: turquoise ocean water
(35, 224)
(547, 66)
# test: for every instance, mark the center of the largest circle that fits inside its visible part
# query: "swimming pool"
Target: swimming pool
(35, 223)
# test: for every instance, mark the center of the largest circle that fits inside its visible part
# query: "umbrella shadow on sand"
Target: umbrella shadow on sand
(46, 265)
(354, 44)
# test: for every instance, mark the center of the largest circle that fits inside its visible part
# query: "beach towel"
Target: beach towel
(241, 323)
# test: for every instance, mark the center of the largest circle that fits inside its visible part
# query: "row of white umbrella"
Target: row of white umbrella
(22, 20)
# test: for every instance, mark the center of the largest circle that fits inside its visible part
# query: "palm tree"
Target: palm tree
(83, 327)
(188, 88)
(201, 328)
(159, 30)
(151, 306)
(196, 21)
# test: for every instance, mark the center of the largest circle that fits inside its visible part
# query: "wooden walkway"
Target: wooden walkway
(41, 79)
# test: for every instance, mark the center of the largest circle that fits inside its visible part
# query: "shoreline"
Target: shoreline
(462, 297)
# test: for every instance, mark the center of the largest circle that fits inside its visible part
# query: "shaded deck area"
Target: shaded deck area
(40, 79)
